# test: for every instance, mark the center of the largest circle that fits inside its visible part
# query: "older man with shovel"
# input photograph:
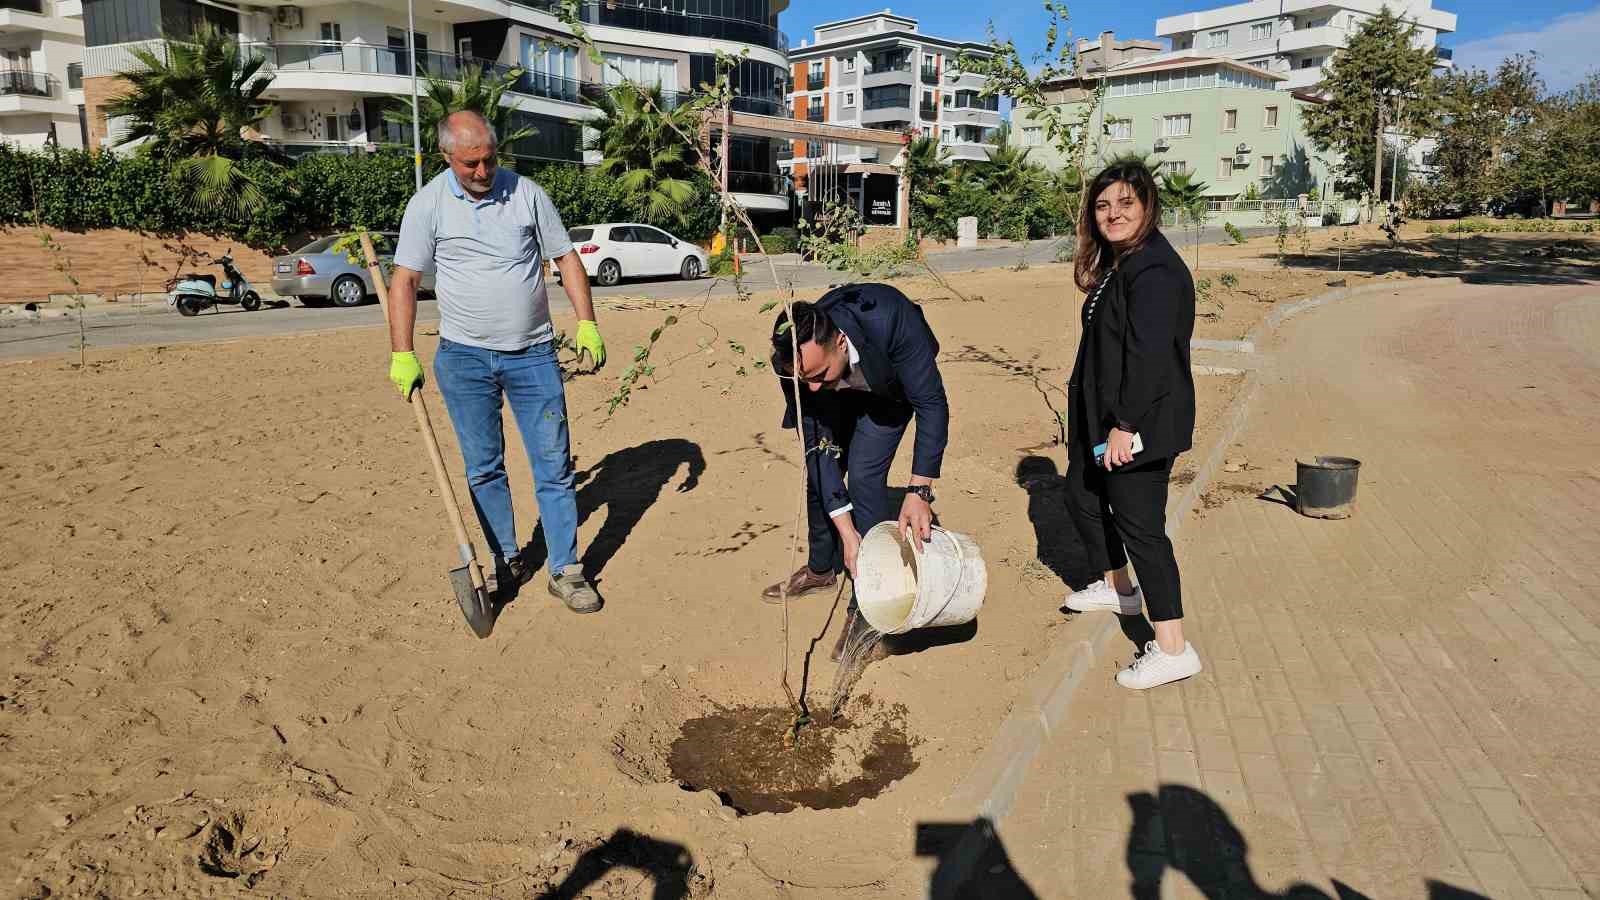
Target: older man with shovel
(486, 232)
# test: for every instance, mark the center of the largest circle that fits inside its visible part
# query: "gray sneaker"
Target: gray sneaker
(571, 588)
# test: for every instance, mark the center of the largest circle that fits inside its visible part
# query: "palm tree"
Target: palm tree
(1015, 183)
(1186, 195)
(479, 90)
(928, 170)
(195, 104)
(642, 145)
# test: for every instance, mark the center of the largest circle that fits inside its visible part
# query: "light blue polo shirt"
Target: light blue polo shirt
(488, 258)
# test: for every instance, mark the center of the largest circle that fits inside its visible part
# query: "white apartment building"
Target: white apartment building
(1295, 38)
(879, 71)
(336, 65)
(41, 90)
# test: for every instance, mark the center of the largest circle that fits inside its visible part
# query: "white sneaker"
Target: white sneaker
(1155, 667)
(1102, 596)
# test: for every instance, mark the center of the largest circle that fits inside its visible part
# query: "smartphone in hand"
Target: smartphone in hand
(1100, 449)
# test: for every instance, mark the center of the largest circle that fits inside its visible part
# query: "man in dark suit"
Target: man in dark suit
(867, 366)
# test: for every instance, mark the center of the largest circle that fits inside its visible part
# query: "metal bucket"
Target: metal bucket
(1325, 486)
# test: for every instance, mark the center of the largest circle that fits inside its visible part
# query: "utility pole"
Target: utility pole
(416, 128)
(1377, 166)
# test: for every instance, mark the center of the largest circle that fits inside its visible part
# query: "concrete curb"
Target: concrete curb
(992, 786)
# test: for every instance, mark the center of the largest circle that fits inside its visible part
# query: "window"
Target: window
(648, 235)
(1268, 168)
(927, 100)
(889, 96)
(1230, 120)
(1032, 136)
(1121, 130)
(815, 79)
(1270, 120)
(1225, 167)
(849, 98)
(849, 63)
(330, 33)
(645, 70)
(945, 134)
(1261, 63)
(1311, 62)
(1261, 31)
(949, 101)
(1217, 38)
(1174, 167)
(1176, 126)
(814, 149)
(464, 48)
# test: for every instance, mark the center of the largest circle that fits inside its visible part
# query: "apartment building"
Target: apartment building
(879, 71)
(1295, 39)
(41, 91)
(1223, 120)
(337, 66)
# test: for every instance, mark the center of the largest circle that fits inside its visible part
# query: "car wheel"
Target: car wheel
(691, 268)
(609, 273)
(348, 291)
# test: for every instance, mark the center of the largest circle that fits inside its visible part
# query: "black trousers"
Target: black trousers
(868, 430)
(1122, 515)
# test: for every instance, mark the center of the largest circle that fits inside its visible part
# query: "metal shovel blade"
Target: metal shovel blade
(475, 603)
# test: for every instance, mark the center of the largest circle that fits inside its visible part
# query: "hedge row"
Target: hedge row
(76, 190)
(1513, 226)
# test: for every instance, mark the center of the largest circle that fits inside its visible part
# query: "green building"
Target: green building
(1223, 120)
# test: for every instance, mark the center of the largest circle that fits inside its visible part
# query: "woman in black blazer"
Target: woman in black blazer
(1131, 391)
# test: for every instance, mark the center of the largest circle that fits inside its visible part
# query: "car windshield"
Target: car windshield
(320, 245)
(580, 234)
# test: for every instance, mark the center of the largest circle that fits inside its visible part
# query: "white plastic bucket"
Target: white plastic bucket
(899, 590)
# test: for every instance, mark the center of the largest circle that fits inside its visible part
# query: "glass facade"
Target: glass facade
(744, 21)
(758, 87)
(121, 21)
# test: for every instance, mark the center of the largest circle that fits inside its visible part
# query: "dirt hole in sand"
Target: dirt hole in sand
(751, 757)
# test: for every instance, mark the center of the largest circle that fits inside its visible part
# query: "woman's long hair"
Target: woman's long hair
(1095, 254)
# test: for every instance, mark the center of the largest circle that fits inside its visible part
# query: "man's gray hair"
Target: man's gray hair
(460, 125)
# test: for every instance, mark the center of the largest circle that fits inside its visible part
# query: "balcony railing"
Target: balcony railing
(814, 114)
(928, 112)
(31, 6)
(894, 64)
(625, 14)
(889, 102)
(367, 59)
(757, 182)
(930, 74)
(26, 84)
(816, 81)
(74, 76)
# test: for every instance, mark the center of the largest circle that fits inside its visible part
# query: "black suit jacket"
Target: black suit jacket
(899, 360)
(1133, 359)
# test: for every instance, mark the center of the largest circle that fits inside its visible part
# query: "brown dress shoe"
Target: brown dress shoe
(802, 582)
(855, 631)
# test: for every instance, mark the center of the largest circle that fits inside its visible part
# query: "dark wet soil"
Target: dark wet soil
(750, 758)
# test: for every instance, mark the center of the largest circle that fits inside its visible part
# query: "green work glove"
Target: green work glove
(589, 342)
(405, 372)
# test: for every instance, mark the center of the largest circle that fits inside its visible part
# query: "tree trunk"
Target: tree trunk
(1377, 165)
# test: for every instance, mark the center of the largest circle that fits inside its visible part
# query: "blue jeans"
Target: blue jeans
(474, 381)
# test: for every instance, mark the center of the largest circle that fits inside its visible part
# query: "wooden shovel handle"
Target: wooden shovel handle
(447, 492)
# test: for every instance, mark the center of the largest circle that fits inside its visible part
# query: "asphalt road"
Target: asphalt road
(157, 324)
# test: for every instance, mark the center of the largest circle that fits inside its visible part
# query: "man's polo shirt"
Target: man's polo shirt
(488, 258)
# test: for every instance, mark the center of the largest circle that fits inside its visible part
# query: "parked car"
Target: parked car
(316, 273)
(619, 250)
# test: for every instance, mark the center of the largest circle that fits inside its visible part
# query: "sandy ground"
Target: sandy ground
(230, 657)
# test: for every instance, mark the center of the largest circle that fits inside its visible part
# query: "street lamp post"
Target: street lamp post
(416, 128)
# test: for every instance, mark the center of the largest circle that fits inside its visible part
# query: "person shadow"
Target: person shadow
(972, 862)
(627, 483)
(1181, 830)
(669, 865)
(1056, 538)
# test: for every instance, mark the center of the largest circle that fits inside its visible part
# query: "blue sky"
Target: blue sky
(1564, 31)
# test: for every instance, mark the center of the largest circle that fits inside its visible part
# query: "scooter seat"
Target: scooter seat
(199, 276)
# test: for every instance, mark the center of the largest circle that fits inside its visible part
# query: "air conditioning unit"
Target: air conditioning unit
(1162, 145)
(288, 16)
(292, 121)
(1242, 160)
(1242, 148)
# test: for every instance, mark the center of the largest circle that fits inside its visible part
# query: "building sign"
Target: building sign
(881, 194)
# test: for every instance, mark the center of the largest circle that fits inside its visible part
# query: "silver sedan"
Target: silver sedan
(315, 273)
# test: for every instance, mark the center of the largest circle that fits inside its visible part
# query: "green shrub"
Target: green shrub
(780, 240)
(1515, 226)
(317, 194)
(1234, 234)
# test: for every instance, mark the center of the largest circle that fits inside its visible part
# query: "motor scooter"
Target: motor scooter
(194, 291)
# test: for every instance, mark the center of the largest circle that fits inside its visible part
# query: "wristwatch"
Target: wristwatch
(921, 490)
